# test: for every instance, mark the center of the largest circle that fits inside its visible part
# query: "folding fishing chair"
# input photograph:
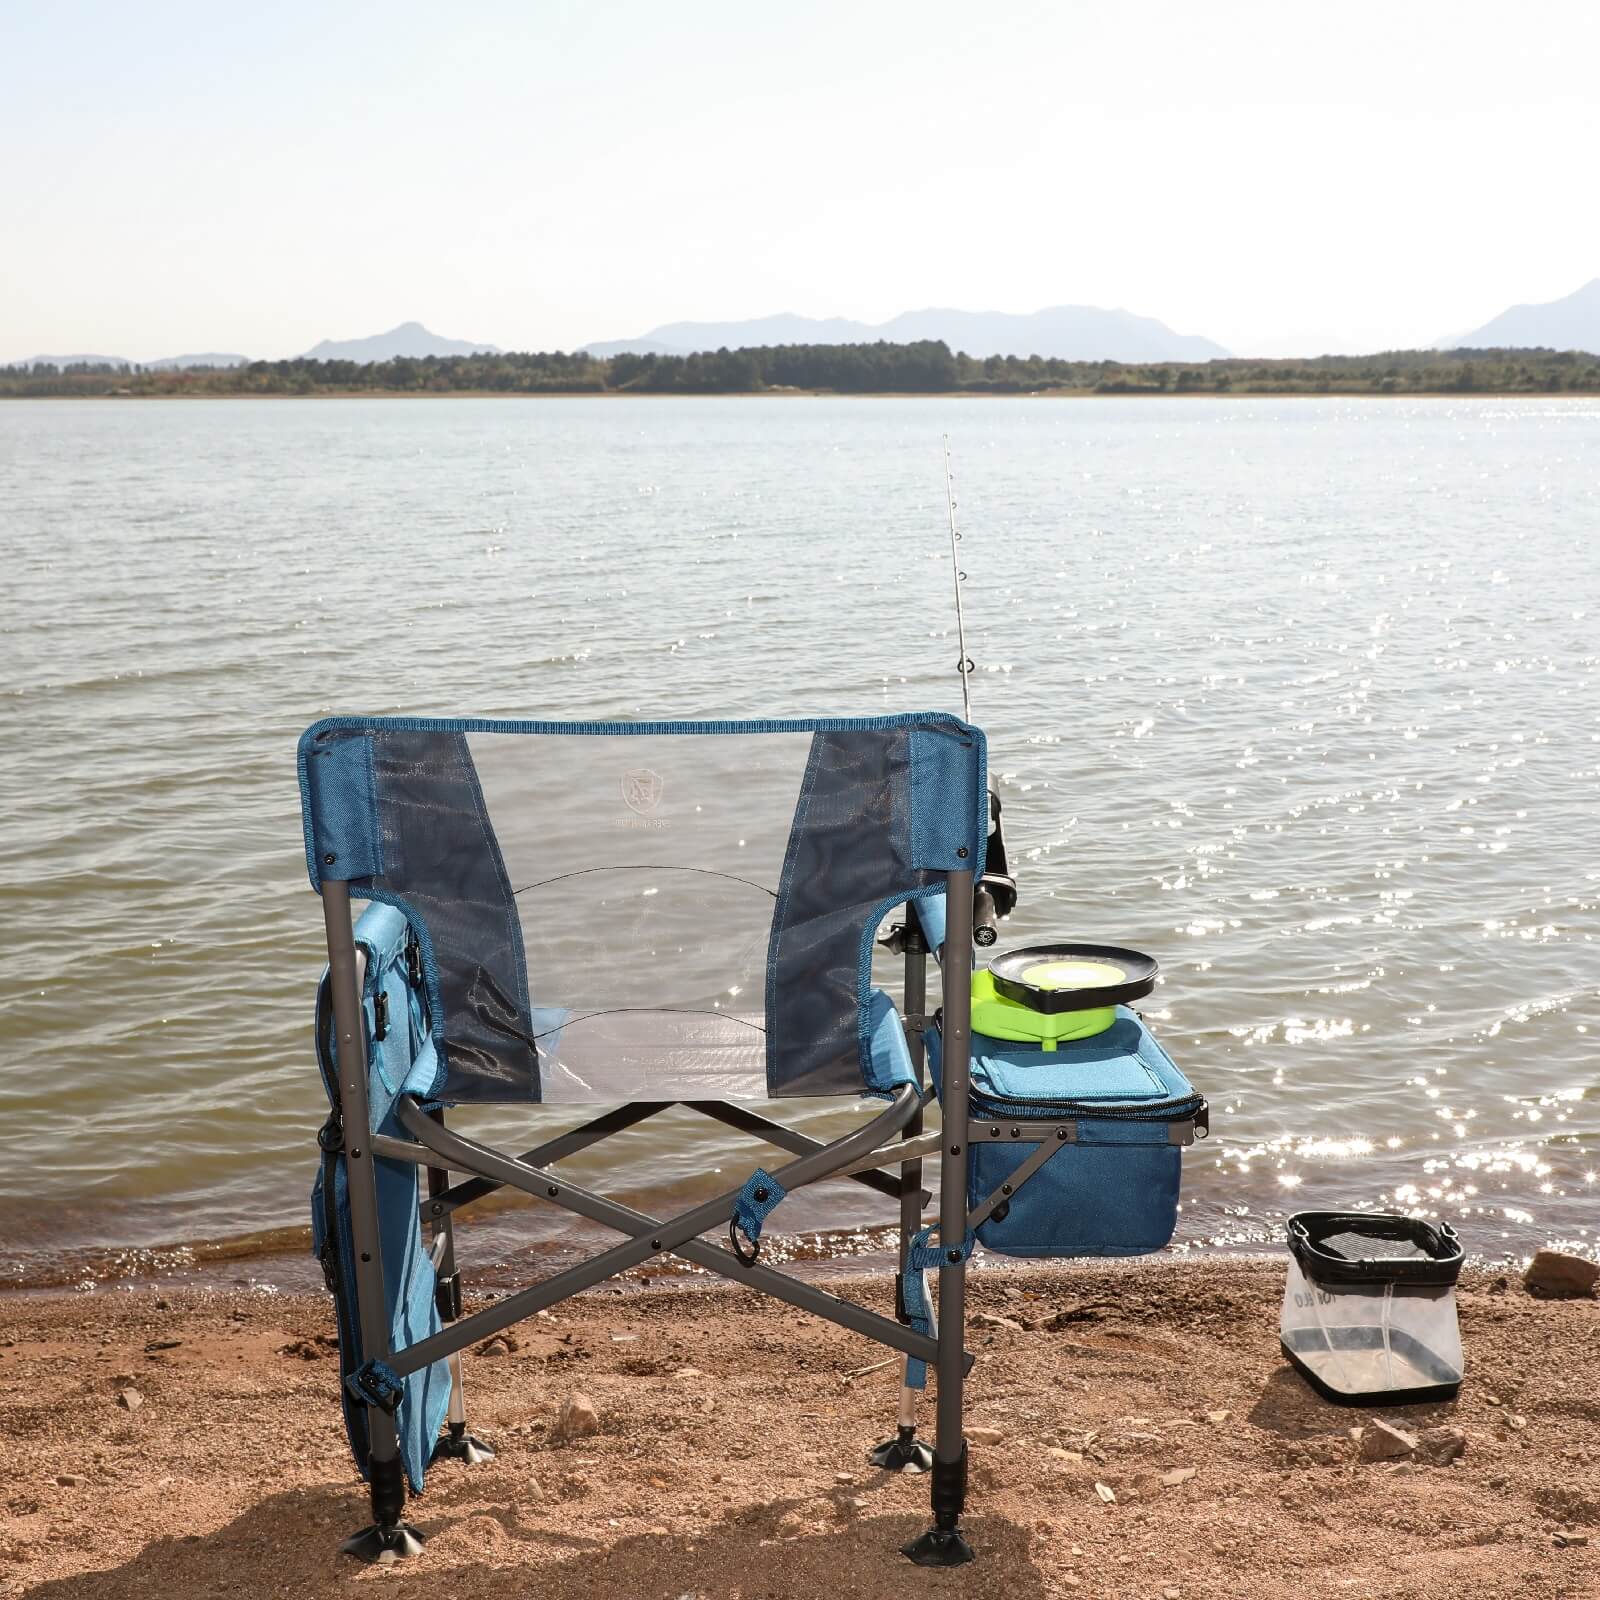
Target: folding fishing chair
(635, 915)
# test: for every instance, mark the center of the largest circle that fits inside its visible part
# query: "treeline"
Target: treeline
(927, 367)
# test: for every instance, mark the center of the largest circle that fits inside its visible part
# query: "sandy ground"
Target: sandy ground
(730, 1457)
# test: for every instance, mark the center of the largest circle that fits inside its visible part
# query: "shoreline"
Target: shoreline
(729, 1460)
(838, 394)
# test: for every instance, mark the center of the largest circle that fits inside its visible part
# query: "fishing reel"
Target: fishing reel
(995, 894)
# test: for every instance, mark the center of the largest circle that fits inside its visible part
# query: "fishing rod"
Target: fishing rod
(964, 664)
(995, 895)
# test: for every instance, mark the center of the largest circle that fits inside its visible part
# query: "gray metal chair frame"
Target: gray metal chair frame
(857, 1156)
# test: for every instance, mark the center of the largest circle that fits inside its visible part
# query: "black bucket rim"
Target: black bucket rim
(1441, 1268)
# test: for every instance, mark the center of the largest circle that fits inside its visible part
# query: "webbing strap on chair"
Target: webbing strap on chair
(756, 1201)
(375, 1383)
(921, 1256)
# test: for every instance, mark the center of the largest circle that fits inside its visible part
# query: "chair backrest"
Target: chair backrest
(584, 893)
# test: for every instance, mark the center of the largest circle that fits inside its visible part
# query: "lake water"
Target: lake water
(1299, 696)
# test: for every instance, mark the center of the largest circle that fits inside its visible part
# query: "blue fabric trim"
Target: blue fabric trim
(921, 1256)
(749, 1212)
(929, 909)
(888, 1058)
(943, 800)
(341, 793)
(865, 1021)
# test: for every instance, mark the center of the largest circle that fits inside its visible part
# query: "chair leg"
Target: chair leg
(455, 1443)
(943, 1545)
(905, 1452)
(390, 1537)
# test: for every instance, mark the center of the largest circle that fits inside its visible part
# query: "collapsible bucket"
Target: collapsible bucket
(1369, 1309)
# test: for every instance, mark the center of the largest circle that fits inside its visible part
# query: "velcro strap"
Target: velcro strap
(756, 1202)
(374, 1383)
(922, 1255)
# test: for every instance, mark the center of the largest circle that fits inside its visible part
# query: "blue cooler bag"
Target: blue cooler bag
(1118, 1112)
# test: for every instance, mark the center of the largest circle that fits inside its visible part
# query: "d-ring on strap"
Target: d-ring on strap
(755, 1203)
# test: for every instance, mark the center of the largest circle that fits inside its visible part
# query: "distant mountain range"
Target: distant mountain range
(409, 339)
(1071, 333)
(210, 358)
(1572, 323)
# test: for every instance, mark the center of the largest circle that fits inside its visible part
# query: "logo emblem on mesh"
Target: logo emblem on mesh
(641, 790)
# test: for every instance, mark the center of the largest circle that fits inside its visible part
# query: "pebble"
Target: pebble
(1172, 1592)
(577, 1418)
(1106, 1493)
(163, 1344)
(68, 1480)
(130, 1399)
(1556, 1275)
(1382, 1441)
(988, 1319)
(1441, 1446)
(1563, 1541)
(1056, 1453)
(984, 1435)
(1217, 1418)
(1171, 1480)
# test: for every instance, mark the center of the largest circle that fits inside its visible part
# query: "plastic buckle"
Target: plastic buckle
(328, 1260)
(413, 962)
(373, 1384)
(447, 1297)
(380, 1017)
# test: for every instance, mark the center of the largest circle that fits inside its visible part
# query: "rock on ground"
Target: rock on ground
(1382, 1441)
(1558, 1276)
(577, 1418)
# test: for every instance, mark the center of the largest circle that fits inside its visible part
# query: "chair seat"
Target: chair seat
(600, 1057)
(621, 1055)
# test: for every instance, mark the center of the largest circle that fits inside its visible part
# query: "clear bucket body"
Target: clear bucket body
(1361, 1343)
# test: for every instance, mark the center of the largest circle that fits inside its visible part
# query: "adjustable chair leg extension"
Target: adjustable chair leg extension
(905, 1452)
(943, 1544)
(456, 1444)
(390, 1538)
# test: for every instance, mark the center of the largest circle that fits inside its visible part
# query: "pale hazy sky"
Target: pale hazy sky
(1280, 176)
